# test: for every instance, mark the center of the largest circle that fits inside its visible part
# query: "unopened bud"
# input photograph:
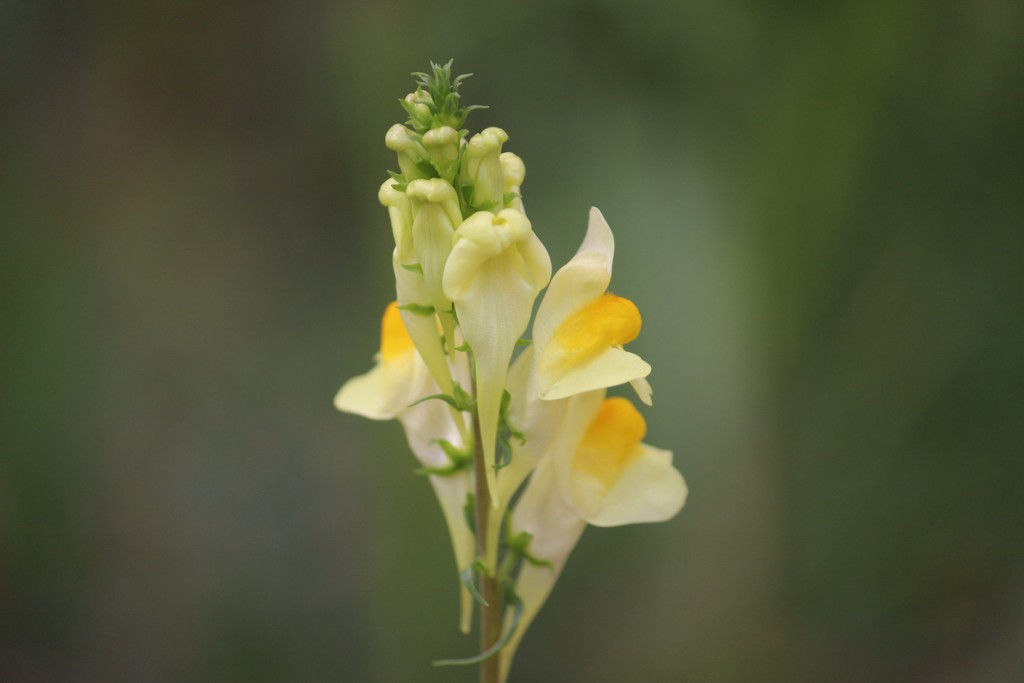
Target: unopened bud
(442, 145)
(419, 107)
(410, 152)
(435, 216)
(481, 168)
(513, 171)
(400, 211)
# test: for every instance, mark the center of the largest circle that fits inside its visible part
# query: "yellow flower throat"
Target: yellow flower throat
(606, 322)
(394, 338)
(611, 442)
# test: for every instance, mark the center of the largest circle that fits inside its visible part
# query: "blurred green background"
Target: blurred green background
(818, 210)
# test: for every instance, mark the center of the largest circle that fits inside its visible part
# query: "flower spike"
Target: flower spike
(523, 455)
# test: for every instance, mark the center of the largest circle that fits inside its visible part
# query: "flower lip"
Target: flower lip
(396, 380)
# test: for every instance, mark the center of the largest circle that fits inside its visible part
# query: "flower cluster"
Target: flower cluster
(517, 436)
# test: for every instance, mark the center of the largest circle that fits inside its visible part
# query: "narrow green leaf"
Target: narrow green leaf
(441, 397)
(462, 396)
(460, 400)
(512, 600)
(520, 546)
(468, 576)
(418, 309)
(506, 401)
(456, 455)
(446, 471)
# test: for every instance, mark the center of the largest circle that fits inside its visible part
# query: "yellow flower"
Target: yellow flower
(580, 329)
(495, 271)
(613, 478)
(598, 471)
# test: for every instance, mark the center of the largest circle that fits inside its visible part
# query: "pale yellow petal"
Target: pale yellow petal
(613, 478)
(423, 329)
(649, 489)
(613, 367)
(578, 417)
(385, 391)
(579, 282)
(643, 390)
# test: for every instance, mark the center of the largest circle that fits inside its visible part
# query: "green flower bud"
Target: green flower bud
(400, 211)
(482, 169)
(411, 153)
(442, 146)
(435, 216)
(513, 170)
(416, 104)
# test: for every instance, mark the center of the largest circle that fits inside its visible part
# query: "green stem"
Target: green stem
(491, 612)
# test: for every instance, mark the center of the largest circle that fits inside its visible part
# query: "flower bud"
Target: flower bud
(420, 110)
(400, 211)
(410, 151)
(435, 216)
(442, 146)
(481, 167)
(513, 170)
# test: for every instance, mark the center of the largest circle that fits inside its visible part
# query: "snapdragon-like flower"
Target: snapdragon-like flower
(495, 271)
(598, 472)
(580, 329)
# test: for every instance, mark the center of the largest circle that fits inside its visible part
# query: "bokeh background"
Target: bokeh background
(818, 209)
